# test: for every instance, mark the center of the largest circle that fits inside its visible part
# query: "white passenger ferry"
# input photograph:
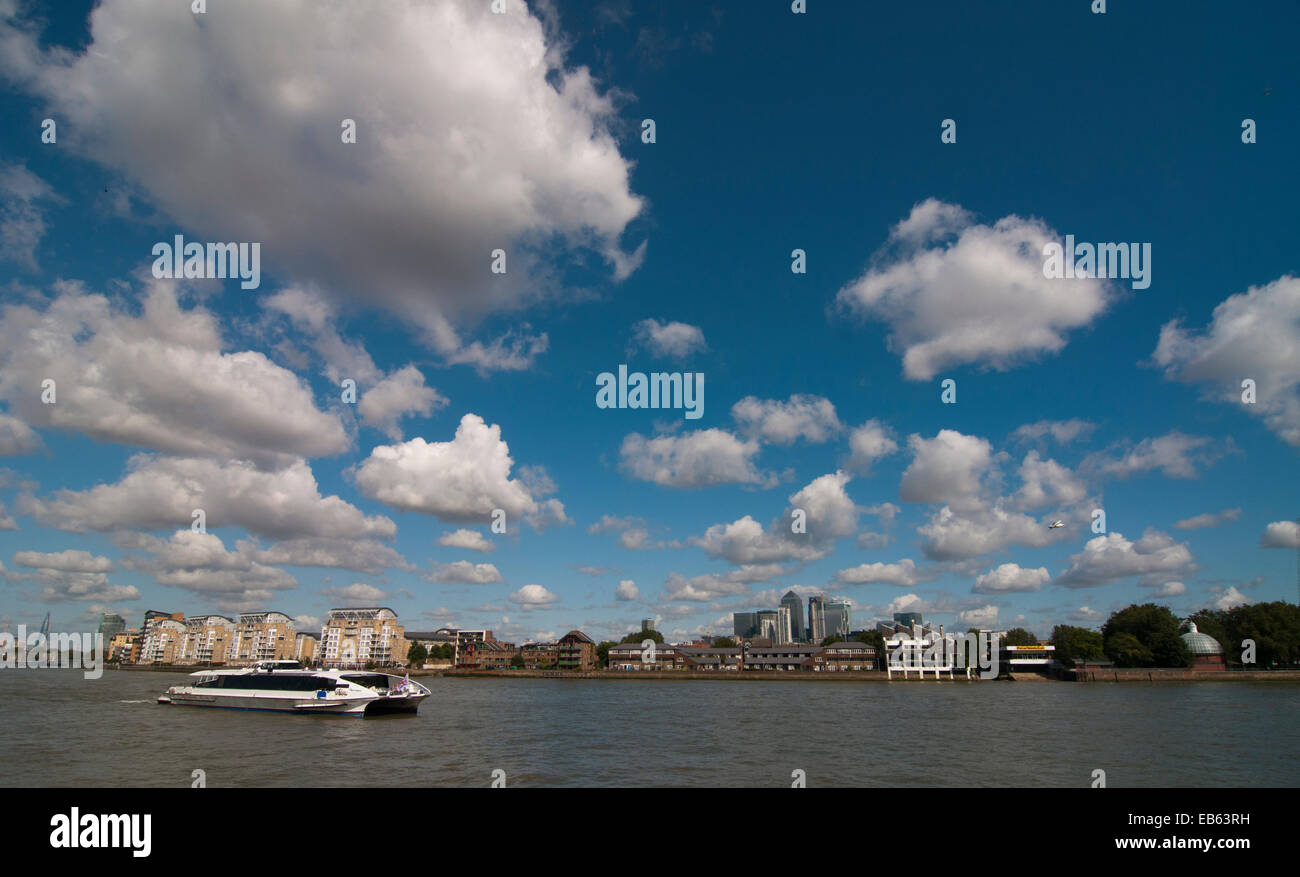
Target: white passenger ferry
(283, 686)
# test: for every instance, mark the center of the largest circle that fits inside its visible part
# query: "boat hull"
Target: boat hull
(265, 703)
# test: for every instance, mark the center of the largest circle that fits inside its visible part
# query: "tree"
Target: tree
(1076, 643)
(417, 655)
(517, 661)
(1127, 651)
(1275, 628)
(1154, 628)
(602, 652)
(1018, 636)
(724, 642)
(639, 635)
(876, 639)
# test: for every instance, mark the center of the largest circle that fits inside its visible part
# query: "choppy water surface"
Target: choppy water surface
(57, 729)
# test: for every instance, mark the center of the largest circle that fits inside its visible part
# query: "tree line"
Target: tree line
(1149, 635)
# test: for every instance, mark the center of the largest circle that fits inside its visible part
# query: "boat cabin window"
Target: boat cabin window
(276, 682)
(369, 680)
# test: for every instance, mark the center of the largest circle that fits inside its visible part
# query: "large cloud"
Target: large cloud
(829, 514)
(673, 339)
(811, 418)
(1252, 335)
(161, 493)
(462, 572)
(65, 561)
(16, 437)
(1281, 534)
(363, 555)
(471, 540)
(201, 563)
(955, 292)
(1047, 482)
(701, 458)
(1109, 558)
(1175, 455)
(1010, 577)
(903, 573)
(532, 597)
(947, 468)
(867, 444)
(71, 575)
(401, 393)
(471, 135)
(22, 223)
(712, 586)
(952, 535)
(158, 380)
(460, 481)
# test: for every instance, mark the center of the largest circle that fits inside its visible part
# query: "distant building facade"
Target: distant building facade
(110, 625)
(262, 636)
(745, 624)
(791, 657)
(353, 638)
(576, 651)
(163, 641)
(208, 639)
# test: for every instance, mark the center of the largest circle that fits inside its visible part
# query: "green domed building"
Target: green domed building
(1207, 654)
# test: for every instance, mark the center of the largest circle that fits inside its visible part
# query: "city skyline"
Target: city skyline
(805, 260)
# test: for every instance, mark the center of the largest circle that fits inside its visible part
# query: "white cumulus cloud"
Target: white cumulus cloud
(955, 292)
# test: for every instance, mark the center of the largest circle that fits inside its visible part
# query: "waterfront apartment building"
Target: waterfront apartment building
(163, 641)
(262, 636)
(486, 655)
(122, 646)
(207, 640)
(630, 656)
(352, 638)
(305, 646)
(540, 656)
(576, 651)
(152, 617)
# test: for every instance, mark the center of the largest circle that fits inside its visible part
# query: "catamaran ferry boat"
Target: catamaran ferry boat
(283, 686)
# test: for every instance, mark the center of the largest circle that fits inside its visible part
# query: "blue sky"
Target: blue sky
(521, 131)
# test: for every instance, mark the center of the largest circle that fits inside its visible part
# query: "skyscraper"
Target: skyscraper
(838, 618)
(798, 632)
(744, 624)
(111, 625)
(784, 625)
(816, 619)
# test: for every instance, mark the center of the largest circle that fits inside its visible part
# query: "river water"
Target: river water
(58, 729)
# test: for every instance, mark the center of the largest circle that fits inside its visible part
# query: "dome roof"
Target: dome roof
(1201, 643)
